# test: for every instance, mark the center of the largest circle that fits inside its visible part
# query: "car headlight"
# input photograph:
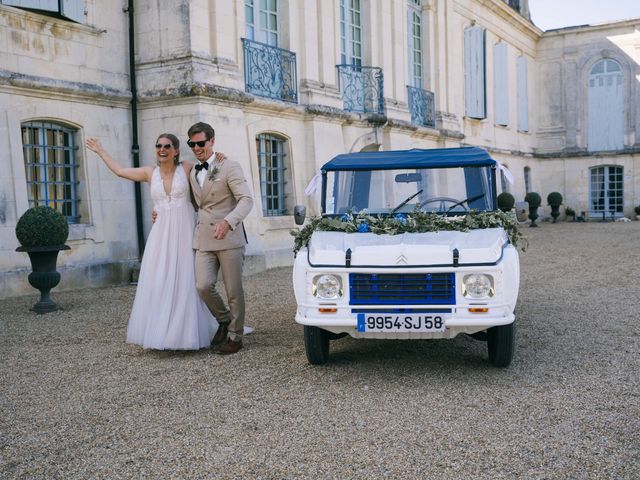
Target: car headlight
(327, 287)
(478, 285)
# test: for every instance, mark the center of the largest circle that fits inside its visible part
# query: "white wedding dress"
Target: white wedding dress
(168, 313)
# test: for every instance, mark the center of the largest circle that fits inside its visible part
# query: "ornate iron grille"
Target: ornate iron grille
(422, 107)
(50, 167)
(402, 289)
(361, 88)
(270, 71)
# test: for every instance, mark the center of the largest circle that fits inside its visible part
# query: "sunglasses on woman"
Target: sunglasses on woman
(200, 144)
(166, 146)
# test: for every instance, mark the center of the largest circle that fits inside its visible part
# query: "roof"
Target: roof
(415, 158)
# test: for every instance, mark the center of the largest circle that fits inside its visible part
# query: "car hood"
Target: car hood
(407, 249)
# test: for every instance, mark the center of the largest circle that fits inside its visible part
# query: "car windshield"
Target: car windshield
(451, 191)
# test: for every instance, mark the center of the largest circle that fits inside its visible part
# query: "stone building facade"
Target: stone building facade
(288, 84)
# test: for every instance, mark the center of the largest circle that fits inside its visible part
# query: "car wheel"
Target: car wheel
(500, 344)
(316, 345)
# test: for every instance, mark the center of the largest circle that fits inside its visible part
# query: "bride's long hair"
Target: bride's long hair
(176, 144)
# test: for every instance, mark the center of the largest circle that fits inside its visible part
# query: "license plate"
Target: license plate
(401, 322)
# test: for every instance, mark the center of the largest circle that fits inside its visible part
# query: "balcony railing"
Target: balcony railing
(361, 88)
(422, 107)
(270, 71)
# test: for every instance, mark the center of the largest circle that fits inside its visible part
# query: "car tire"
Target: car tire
(500, 344)
(316, 345)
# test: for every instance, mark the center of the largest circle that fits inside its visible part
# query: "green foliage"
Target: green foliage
(42, 227)
(506, 201)
(637, 210)
(416, 222)
(569, 212)
(533, 199)
(554, 199)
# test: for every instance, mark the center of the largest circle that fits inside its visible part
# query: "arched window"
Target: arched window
(273, 162)
(51, 167)
(605, 106)
(504, 183)
(527, 179)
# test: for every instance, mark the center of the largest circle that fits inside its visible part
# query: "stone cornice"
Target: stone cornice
(36, 85)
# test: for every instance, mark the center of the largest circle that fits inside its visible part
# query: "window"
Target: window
(501, 84)
(523, 94)
(527, 179)
(51, 167)
(261, 21)
(474, 72)
(605, 104)
(606, 189)
(272, 162)
(414, 23)
(350, 33)
(69, 9)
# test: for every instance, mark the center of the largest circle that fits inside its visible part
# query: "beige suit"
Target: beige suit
(224, 196)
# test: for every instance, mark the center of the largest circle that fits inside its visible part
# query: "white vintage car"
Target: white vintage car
(368, 268)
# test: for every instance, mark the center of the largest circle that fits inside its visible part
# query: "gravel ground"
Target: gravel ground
(77, 402)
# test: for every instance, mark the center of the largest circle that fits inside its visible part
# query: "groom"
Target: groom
(222, 195)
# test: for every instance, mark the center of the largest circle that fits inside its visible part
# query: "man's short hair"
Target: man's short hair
(202, 127)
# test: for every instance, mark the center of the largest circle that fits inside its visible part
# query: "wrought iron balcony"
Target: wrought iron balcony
(361, 88)
(422, 107)
(270, 71)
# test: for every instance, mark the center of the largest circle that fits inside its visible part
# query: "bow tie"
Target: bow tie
(200, 166)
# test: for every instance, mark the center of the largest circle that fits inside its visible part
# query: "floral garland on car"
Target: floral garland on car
(417, 222)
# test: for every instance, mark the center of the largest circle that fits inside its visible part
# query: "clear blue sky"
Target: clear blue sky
(548, 14)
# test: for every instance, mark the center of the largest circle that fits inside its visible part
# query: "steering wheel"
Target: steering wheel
(443, 201)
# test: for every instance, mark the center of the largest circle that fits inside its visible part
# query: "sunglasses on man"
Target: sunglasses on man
(200, 144)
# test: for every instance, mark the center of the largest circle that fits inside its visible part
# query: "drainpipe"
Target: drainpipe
(135, 148)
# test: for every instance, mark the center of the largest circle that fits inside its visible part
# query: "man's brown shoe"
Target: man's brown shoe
(229, 347)
(221, 334)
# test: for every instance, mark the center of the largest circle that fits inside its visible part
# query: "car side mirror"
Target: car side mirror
(299, 213)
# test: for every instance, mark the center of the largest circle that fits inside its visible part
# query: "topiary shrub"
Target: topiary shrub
(42, 227)
(637, 210)
(506, 201)
(533, 199)
(554, 199)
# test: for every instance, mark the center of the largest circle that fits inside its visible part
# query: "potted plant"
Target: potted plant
(42, 232)
(637, 210)
(506, 201)
(554, 199)
(534, 200)
(570, 212)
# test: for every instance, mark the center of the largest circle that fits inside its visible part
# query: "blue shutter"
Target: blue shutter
(523, 94)
(48, 5)
(501, 84)
(474, 72)
(73, 10)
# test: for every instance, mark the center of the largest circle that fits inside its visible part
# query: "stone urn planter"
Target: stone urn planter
(534, 200)
(554, 199)
(42, 232)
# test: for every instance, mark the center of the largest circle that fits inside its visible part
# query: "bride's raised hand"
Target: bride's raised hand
(94, 145)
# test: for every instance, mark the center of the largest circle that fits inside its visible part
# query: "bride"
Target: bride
(167, 312)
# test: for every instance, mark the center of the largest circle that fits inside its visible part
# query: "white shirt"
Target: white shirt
(202, 174)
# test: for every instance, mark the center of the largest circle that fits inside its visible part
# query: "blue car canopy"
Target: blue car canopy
(416, 158)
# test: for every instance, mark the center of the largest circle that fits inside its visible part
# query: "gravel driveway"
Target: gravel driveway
(77, 402)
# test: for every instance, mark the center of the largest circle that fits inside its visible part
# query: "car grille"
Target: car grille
(402, 289)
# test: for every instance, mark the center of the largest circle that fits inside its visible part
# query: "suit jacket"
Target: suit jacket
(225, 197)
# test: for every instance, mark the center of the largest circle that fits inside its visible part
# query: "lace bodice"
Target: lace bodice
(179, 188)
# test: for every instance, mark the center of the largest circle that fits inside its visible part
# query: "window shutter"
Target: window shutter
(523, 95)
(474, 68)
(73, 10)
(501, 84)
(48, 5)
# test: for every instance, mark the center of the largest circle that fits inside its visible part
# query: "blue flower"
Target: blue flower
(363, 227)
(401, 217)
(344, 218)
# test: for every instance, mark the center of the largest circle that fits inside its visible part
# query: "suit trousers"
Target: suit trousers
(230, 262)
